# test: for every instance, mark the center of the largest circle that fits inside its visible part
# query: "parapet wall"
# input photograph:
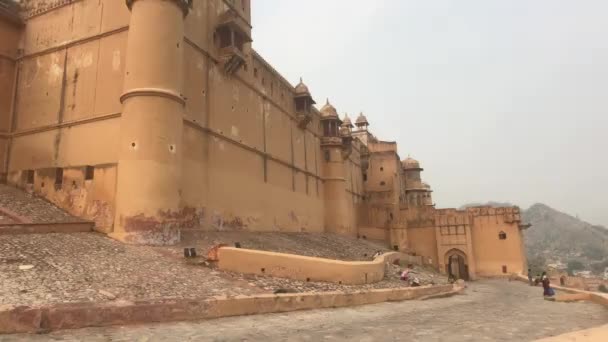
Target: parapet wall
(305, 268)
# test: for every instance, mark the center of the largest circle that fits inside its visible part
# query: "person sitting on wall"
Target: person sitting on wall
(451, 279)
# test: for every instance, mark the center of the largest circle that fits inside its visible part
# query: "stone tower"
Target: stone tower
(415, 191)
(149, 162)
(337, 211)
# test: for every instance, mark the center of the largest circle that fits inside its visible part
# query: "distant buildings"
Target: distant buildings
(558, 266)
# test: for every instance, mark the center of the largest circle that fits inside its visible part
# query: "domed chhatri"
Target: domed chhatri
(410, 163)
(346, 121)
(302, 89)
(329, 111)
(303, 102)
(361, 121)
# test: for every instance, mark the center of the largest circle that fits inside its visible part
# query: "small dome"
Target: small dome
(346, 121)
(410, 163)
(302, 89)
(329, 111)
(361, 120)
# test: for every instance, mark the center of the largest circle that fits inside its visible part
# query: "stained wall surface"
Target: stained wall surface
(67, 111)
(247, 164)
(10, 32)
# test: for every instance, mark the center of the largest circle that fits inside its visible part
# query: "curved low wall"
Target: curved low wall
(79, 315)
(596, 297)
(304, 268)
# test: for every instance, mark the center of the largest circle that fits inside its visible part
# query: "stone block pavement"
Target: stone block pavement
(90, 267)
(490, 310)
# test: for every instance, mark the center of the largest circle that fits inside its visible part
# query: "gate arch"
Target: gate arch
(457, 264)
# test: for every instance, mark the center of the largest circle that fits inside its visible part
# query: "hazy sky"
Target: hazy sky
(503, 100)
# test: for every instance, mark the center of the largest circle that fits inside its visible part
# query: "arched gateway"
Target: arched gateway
(456, 264)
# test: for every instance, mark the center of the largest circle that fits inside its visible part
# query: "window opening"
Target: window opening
(58, 177)
(89, 172)
(28, 176)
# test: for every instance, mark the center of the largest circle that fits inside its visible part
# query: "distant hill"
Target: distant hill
(556, 236)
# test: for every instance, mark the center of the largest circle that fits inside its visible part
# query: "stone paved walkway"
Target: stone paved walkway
(491, 310)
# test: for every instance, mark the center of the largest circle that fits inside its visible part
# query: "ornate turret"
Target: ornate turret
(416, 192)
(361, 122)
(346, 122)
(428, 198)
(347, 137)
(303, 102)
(231, 35)
(335, 145)
(331, 125)
(411, 164)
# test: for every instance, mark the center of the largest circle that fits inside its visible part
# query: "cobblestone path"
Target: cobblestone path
(491, 310)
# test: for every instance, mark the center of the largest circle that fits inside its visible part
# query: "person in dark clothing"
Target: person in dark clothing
(530, 281)
(547, 290)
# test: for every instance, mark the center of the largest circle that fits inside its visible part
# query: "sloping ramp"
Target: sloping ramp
(23, 213)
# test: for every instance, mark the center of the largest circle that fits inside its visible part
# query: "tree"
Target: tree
(603, 288)
(536, 263)
(595, 252)
(574, 265)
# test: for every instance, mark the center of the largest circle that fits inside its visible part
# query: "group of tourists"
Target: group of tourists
(541, 279)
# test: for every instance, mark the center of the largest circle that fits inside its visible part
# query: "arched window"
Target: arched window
(502, 236)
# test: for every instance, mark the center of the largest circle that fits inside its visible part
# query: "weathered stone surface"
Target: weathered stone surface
(329, 246)
(492, 310)
(77, 267)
